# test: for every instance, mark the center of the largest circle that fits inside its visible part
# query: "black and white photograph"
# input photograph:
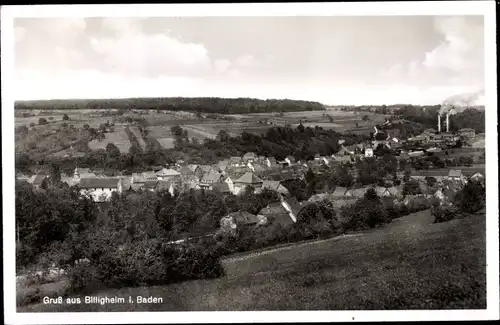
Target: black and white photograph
(330, 160)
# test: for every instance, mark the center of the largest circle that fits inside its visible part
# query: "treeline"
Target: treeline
(280, 142)
(196, 104)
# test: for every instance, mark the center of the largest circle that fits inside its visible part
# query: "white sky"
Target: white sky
(334, 60)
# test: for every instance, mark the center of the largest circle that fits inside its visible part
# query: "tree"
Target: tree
(431, 181)
(55, 174)
(471, 198)
(411, 187)
(112, 150)
(42, 121)
(86, 126)
(365, 118)
(65, 117)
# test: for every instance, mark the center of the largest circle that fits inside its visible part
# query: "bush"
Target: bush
(443, 214)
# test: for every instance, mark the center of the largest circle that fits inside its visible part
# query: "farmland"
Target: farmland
(119, 138)
(408, 264)
(48, 139)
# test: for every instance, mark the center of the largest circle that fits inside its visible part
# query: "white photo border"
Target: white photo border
(448, 8)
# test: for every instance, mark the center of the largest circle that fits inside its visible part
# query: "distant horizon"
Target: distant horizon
(264, 99)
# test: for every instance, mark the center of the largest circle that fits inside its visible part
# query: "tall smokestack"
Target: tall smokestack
(448, 122)
(439, 123)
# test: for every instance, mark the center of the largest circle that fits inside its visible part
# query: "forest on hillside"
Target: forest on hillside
(195, 104)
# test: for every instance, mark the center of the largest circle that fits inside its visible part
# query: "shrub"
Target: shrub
(443, 214)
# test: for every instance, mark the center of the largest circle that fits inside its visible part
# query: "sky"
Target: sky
(348, 60)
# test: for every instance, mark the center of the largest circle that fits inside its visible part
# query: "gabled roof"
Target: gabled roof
(206, 168)
(273, 208)
(394, 191)
(185, 171)
(167, 172)
(193, 167)
(271, 185)
(380, 190)
(249, 155)
(258, 168)
(339, 191)
(274, 177)
(149, 176)
(222, 165)
(235, 159)
(248, 178)
(98, 183)
(294, 205)
(271, 159)
(37, 179)
(243, 218)
(455, 173)
(210, 177)
(318, 197)
(283, 219)
(358, 192)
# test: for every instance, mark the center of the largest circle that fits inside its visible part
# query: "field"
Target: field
(137, 133)
(119, 138)
(408, 264)
(159, 123)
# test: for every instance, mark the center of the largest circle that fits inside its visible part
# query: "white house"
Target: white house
(100, 189)
(368, 152)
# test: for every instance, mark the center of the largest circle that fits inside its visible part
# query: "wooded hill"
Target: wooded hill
(195, 104)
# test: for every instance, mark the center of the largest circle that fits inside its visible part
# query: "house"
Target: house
(275, 213)
(100, 189)
(149, 176)
(317, 156)
(271, 162)
(248, 179)
(381, 191)
(37, 180)
(231, 177)
(221, 187)
(339, 192)
(168, 174)
(477, 177)
(171, 187)
(255, 167)
(209, 178)
(275, 186)
(467, 133)
(206, 168)
(240, 219)
(288, 175)
(223, 164)
(368, 152)
(292, 206)
(395, 191)
(235, 161)
(290, 160)
(249, 156)
(455, 174)
(417, 153)
(357, 192)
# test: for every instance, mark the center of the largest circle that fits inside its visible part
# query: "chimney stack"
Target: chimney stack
(448, 122)
(439, 123)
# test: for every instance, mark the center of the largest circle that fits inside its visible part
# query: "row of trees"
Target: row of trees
(197, 104)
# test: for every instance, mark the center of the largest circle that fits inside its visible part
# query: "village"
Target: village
(251, 172)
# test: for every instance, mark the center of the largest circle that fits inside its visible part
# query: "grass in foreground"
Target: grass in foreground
(410, 264)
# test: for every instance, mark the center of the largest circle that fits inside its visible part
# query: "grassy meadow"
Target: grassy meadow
(408, 264)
